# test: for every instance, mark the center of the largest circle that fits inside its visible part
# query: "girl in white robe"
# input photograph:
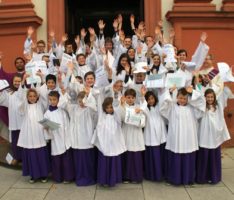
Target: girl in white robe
(212, 133)
(134, 140)
(182, 141)
(155, 139)
(62, 161)
(10, 99)
(110, 142)
(83, 118)
(35, 156)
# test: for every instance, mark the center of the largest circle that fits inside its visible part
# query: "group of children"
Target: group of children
(178, 136)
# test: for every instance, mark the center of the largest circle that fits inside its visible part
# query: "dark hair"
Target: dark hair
(54, 94)
(89, 73)
(147, 95)
(193, 80)
(119, 67)
(182, 91)
(19, 58)
(108, 40)
(68, 42)
(32, 90)
(130, 92)
(78, 55)
(107, 101)
(51, 77)
(182, 51)
(128, 37)
(17, 76)
(41, 42)
(211, 91)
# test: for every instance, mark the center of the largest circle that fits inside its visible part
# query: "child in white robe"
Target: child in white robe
(155, 134)
(182, 141)
(134, 139)
(110, 142)
(35, 156)
(62, 161)
(83, 117)
(212, 133)
(10, 99)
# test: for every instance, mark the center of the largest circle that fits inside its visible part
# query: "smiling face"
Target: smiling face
(16, 82)
(182, 100)
(210, 98)
(151, 100)
(89, 80)
(32, 97)
(51, 85)
(109, 109)
(53, 101)
(19, 64)
(156, 60)
(130, 100)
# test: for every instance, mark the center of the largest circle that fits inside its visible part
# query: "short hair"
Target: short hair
(183, 92)
(45, 56)
(78, 55)
(128, 37)
(17, 76)
(41, 42)
(68, 42)
(19, 58)
(182, 51)
(81, 95)
(89, 73)
(130, 92)
(54, 94)
(108, 40)
(107, 101)
(50, 77)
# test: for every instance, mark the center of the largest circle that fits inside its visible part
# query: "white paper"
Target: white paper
(9, 158)
(3, 84)
(64, 62)
(101, 77)
(38, 56)
(190, 65)
(46, 123)
(139, 67)
(111, 59)
(177, 80)
(168, 49)
(32, 68)
(133, 118)
(155, 81)
(225, 72)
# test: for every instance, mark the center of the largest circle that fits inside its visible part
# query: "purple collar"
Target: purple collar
(53, 108)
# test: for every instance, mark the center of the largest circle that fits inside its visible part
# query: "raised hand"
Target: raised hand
(83, 33)
(172, 33)
(189, 89)
(160, 23)
(132, 19)
(143, 90)
(101, 24)
(77, 40)
(52, 34)
(70, 66)
(120, 19)
(204, 36)
(115, 24)
(121, 35)
(30, 31)
(172, 88)
(137, 110)
(141, 26)
(64, 38)
(122, 100)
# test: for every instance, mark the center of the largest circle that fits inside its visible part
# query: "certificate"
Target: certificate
(133, 118)
(168, 49)
(3, 84)
(46, 123)
(177, 80)
(64, 62)
(101, 77)
(155, 81)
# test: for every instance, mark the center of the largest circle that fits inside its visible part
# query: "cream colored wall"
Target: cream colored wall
(167, 6)
(40, 8)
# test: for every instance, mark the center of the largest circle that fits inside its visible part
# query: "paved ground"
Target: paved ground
(15, 187)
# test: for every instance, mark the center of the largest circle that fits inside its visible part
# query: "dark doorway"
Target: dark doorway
(86, 13)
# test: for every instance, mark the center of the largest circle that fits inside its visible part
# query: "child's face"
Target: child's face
(182, 100)
(51, 85)
(81, 103)
(130, 100)
(89, 81)
(109, 109)
(156, 60)
(151, 101)
(131, 53)
(32, 97)
(81, 60)
(182, 56)
(16, 82)
(119, 86)
(140, 77)
(210, 99)
(53, 101)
